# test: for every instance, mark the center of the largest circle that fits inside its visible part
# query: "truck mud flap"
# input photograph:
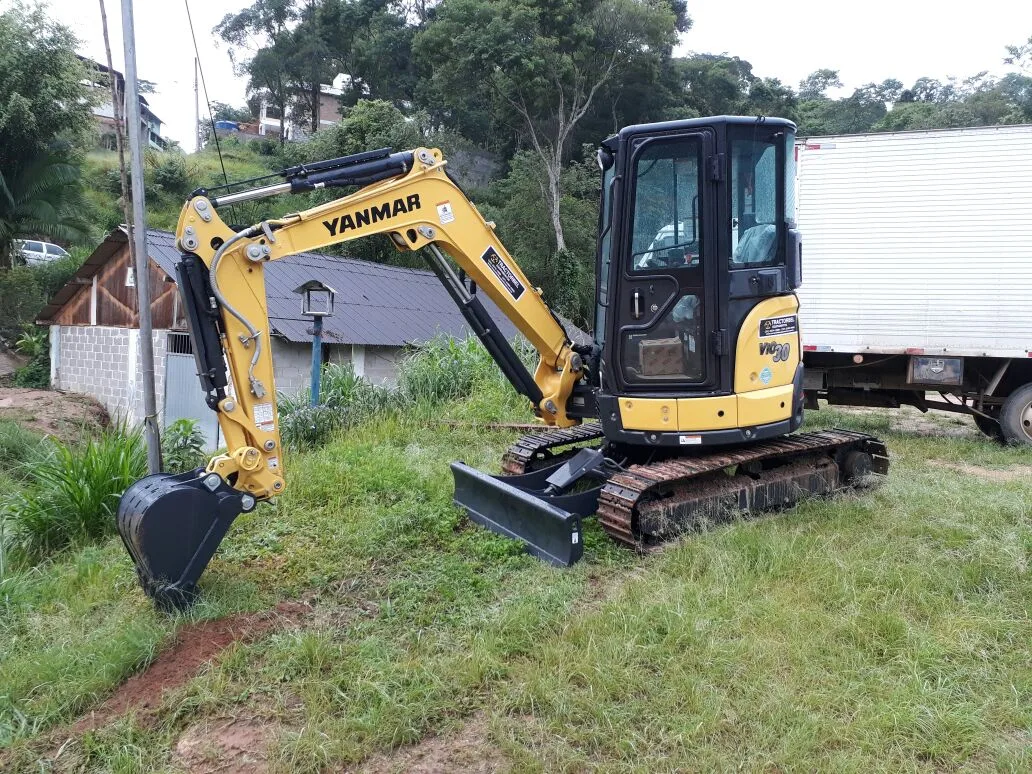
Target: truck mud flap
(549, 525)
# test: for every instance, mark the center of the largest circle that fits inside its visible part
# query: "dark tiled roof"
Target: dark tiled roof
(375, 304)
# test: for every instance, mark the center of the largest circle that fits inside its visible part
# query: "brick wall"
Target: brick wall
(104, 362)
(293, 363)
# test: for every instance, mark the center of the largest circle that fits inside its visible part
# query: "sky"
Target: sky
(865, 41)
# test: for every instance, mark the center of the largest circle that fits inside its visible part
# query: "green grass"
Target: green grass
(874, 633)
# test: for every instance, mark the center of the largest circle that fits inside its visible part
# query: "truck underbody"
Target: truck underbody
(995, 391)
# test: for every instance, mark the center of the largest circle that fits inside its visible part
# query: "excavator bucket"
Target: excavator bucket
(524, 508)
(171, 525)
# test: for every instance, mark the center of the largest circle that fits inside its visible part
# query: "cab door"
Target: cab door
(666, 306)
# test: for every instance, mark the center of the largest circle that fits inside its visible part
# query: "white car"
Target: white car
(36, 253)
(670, 248)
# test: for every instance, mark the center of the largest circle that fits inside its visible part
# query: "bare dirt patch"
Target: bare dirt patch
(1001, 475)
(64, 415)
(907, 419)
(194, 646)
(10, 362)
(468, 751)
(227, 746)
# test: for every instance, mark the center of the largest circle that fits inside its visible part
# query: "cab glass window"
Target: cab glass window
(35, 247)
(667, 225)
(754, 203)
(605, 247)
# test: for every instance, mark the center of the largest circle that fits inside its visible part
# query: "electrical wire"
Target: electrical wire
(204, 86)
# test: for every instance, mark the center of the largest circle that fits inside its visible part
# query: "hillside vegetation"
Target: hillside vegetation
(862, 633)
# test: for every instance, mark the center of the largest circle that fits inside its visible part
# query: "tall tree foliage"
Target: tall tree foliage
(260, 36)
(45, 113)
(541, 65)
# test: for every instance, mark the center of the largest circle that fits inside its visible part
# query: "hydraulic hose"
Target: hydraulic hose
(257, 388)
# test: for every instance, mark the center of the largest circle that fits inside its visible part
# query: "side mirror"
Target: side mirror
(793, 258)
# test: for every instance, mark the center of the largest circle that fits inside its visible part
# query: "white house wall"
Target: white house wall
(293, 363)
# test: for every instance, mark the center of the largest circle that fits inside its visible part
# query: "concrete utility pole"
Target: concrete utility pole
(197, 106)
(138, 235)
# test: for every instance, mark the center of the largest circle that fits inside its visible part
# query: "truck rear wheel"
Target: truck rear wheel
(1016, 416)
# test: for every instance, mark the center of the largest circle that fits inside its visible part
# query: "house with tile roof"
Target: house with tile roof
(380, 310)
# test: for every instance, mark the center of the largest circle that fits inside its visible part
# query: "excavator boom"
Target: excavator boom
(172, 525)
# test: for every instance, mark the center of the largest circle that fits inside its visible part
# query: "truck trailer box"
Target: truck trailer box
(917, 255)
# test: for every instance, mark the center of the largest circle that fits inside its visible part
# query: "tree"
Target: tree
(263, 28)
(45, 113)
(42, 96)
(370, 41)
(541, 65)
(223, 112)
(816, 84)
(517, 203)
(715, 84)
(41, 198)
(1020, 56)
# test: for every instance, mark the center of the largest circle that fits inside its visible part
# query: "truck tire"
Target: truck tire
(989, 427)
(1016, 416)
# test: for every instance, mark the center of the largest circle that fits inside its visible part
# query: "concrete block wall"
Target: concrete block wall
(103, 362)
(293, 363)
(381, 364)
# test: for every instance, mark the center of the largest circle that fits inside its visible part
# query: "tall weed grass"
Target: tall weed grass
(437, 372)
(71, 493)
(18, 448)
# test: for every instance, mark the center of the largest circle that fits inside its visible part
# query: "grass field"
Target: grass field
(883, 632)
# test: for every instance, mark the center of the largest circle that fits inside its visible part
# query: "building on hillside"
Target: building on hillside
(296, 124)
(95, 337)
(104, 112)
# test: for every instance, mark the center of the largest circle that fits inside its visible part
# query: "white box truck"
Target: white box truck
(917, 272)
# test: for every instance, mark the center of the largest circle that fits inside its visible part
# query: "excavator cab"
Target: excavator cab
(696, 234)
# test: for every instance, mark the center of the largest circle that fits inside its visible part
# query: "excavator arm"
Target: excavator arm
(419, 207)
(172, 525)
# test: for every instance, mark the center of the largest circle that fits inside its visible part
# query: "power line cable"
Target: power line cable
(204, 86)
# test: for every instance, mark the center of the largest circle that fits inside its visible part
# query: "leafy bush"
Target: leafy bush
(34, 375)
(444, 369)
(344, 390)
(309, 427)
(35, 343)
(171, 173)
(182, 446)
(441, 370)
(52, 276)
(32, 342)
(72, 492)
(20, 300)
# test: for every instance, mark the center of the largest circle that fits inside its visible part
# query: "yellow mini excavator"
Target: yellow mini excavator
(693, 386)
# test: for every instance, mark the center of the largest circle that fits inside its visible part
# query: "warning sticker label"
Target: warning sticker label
(778, 326)
(263, 417)
(498, 267)
(445, 213)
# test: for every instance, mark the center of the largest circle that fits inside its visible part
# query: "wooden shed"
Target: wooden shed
(94, 326)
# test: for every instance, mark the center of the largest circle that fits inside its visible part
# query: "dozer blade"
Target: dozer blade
(517, 507)
(171, 525)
